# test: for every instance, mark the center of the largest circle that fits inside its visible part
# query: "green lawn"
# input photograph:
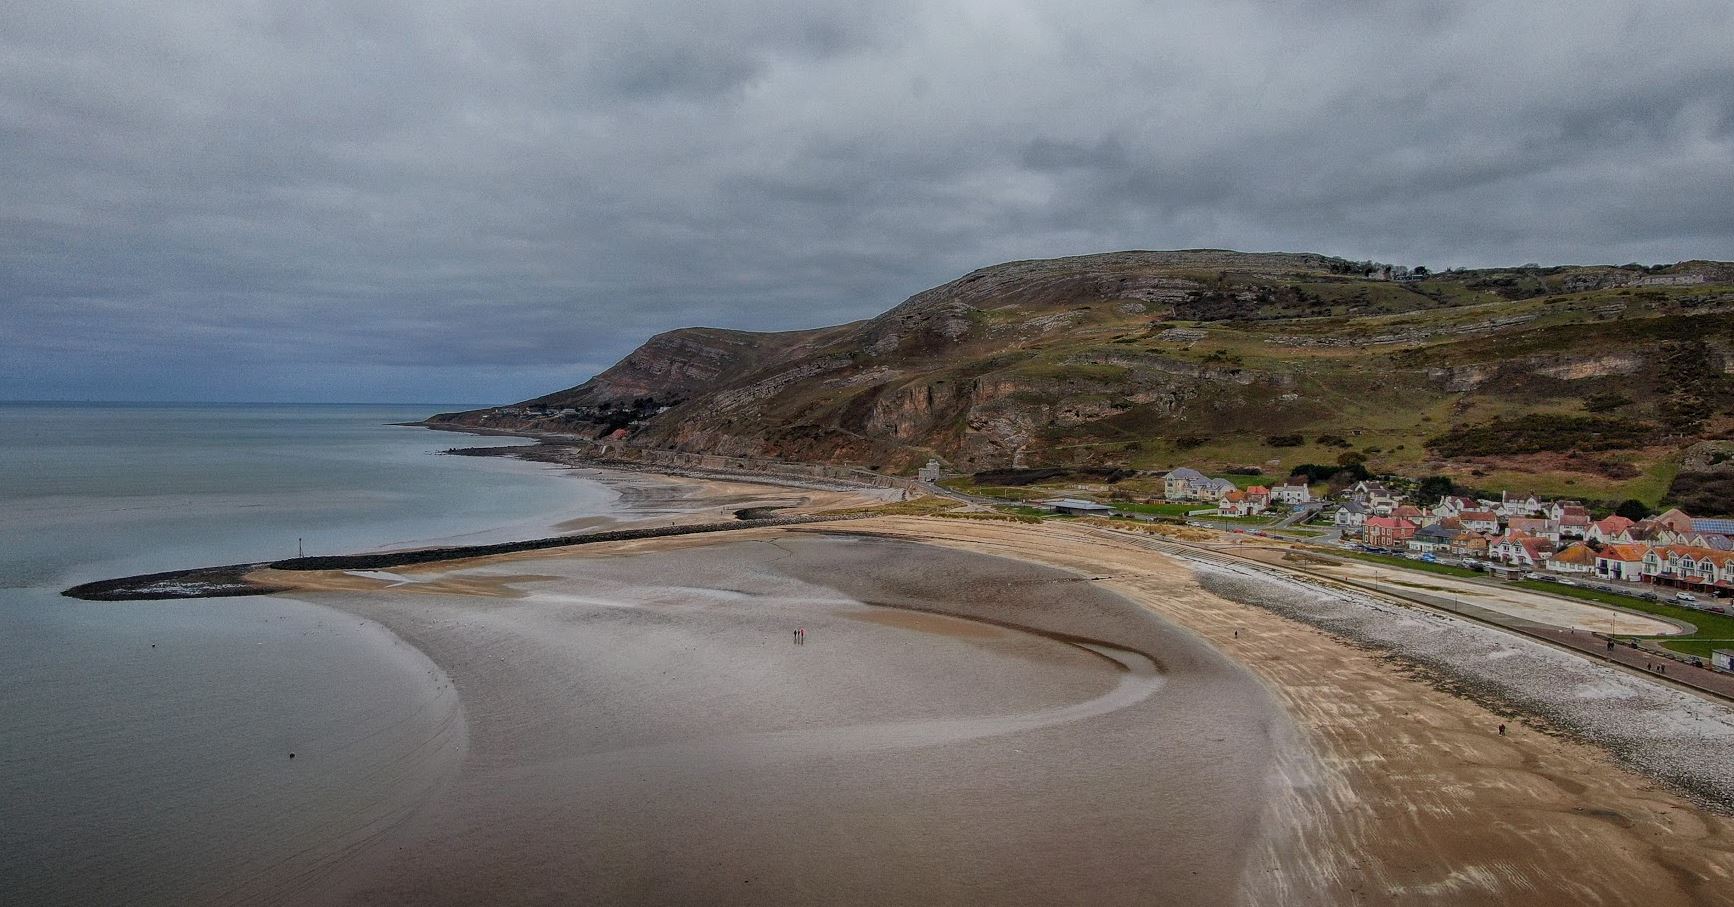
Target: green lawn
(1179, 509)
(1260, 520)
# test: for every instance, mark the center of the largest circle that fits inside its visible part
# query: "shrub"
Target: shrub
(1319, 472)
(1541, 432)
(1333, 441)
(1702, 493)
(1632, 509)
(1285, 440)
(1433, 488)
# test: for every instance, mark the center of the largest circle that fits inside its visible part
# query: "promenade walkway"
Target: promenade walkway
(1647, 659)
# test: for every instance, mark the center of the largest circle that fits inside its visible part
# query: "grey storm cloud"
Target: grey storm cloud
(480, 201)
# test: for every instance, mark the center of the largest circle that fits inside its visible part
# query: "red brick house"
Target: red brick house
(1389, 532)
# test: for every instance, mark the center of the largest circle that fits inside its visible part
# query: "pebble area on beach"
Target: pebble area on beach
(1678, 737)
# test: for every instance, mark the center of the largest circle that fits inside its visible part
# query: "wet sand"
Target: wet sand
(957, 728)
(654, 499)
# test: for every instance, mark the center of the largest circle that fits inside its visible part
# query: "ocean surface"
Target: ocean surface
(145, 747)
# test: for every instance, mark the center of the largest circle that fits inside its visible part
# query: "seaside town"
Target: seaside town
(1689, 559)
(1537, 538)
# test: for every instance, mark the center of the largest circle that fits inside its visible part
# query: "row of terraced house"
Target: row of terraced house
(1560, 537)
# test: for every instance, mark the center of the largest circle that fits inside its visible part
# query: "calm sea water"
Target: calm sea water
(144, 746)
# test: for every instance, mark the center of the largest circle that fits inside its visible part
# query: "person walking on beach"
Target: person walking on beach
(1502, 730)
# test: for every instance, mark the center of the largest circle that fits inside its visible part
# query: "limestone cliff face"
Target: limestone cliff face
(1077, 360)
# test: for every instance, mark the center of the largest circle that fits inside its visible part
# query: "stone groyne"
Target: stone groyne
(232, 580)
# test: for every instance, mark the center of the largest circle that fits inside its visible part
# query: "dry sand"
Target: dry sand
(1421, 801)
(642, 729)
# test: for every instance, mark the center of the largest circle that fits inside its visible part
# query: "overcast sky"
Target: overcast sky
(451, 202)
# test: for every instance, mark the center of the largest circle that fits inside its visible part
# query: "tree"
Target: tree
(1632, 509)
(1351, 458)
(1432, 488)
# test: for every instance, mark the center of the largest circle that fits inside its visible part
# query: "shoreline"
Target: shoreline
(655, 505)
(1390, 727)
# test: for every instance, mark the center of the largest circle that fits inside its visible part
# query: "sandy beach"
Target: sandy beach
(956, 728)
(1009, 713)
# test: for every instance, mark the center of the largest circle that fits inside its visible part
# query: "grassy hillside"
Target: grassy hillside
(1596, 382)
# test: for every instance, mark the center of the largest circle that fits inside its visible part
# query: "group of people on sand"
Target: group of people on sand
(800, 636)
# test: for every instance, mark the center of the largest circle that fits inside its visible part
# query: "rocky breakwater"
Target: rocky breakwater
(235, 579)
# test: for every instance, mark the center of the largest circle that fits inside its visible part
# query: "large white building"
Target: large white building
(1291, 494)
(1186, 484)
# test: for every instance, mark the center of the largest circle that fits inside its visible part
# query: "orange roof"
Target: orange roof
(1258, 489)
(1234, 496)
(1579, 554)
(1479, 516)
(1719, 558)
(1624, 552)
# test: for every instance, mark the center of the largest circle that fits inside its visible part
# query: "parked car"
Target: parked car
(1533, 576)
(1685, 598)
(1650, 597)
(1566, 582)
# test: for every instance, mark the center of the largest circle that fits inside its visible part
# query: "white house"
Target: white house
(1576, 558)
(1351, 517)
(1622, 562)
(1241, 503)
(1520, 551)
(1452, 505)
(1605, 530)
(1379, 499)
(1479, 520)
(1297, 493)
(1529, 506)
